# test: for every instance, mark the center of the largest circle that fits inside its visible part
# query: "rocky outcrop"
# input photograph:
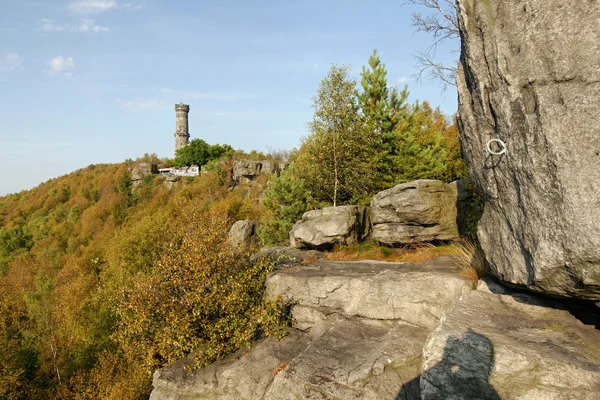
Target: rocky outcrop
(328, 226)
(358, 333)
(341, 359)
(171, 181)
(529, 76)
(243, 233)
(499, 344)
(415, 212)
(377, 330)
(416, 294)
(142, 170)
(248, 170)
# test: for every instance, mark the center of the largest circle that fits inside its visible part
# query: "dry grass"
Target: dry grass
(371, 251)
(280, 368)
(309, 259)
(471, 260)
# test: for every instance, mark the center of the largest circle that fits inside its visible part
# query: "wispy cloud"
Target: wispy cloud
(133, 6)
(88, 25)
(10, 62)
(61, 65)
(403, 79)
(87, 7)
(49, 25)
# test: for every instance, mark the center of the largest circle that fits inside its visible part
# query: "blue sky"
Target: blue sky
(95, 81)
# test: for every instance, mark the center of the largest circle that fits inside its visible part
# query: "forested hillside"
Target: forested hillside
(100, 282)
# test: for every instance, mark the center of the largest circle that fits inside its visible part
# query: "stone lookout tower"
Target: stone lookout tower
(182, 134)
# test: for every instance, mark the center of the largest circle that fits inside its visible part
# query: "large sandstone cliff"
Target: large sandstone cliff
(530, 76)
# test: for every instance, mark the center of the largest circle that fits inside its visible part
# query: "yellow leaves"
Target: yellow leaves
(211, 290)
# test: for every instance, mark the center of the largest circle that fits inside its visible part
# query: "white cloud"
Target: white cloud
(98, 28)
(51, 26)
(87, 25)
(133, 6)
(91, 6)
(10, 62)
(63, 65)
(403, 79)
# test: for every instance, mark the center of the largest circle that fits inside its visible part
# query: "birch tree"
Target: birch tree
(335, 159)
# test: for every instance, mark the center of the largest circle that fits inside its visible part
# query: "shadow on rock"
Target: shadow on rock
(463, 373)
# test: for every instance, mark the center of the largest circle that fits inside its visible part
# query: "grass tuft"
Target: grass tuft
(471, 260)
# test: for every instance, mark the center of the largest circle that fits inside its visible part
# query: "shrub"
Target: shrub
(204, 295)
(285, 200)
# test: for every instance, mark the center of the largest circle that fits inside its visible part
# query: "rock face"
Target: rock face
(529, 75)
(141, 171)
(417, 294)
(353, 337)
(377, 330)
(328, 226)
(336, 360)
(243, 233)
(507, 345)
(415, 212)
(248, 170)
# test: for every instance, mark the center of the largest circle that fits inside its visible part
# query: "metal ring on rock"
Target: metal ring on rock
(500, 143)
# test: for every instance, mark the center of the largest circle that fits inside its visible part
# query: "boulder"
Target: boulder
(508, 345)
(328, 226)
(246, 169)
(142, 170)
(529, 76)
(243, 232)
(415, 212)
(416, 294)
(268, 167)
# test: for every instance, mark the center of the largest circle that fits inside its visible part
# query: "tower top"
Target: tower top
(182, 107)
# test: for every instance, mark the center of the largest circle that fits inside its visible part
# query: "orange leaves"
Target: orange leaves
(205, 293)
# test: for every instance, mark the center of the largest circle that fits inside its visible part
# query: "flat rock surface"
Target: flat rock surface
(413, 293)
(510, 346)
(346, 359)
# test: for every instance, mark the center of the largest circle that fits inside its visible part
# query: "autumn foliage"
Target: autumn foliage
(101, 282)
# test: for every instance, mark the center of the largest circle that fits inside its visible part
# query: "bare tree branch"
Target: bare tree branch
(429, 68)
(442, 25)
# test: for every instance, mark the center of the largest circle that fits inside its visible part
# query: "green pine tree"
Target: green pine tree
(285, 199)
(419, 145)
(383, 109)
